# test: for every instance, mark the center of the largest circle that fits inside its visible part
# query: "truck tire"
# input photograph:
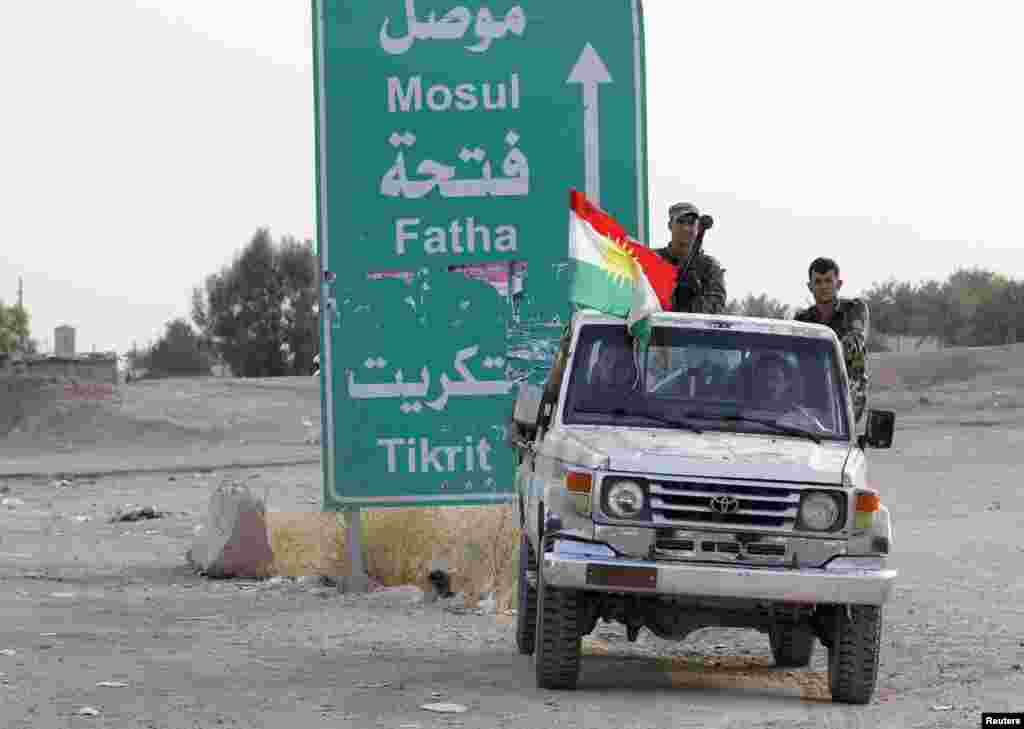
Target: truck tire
(792, 645)
(559, 620)
(526, 611)
(853, 656)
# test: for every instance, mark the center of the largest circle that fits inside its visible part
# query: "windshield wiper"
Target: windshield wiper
(735, 417)
(664, 420)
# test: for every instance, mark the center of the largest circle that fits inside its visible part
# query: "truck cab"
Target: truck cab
(711, 477)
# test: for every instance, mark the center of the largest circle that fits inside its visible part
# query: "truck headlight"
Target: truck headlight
(819, 512)
(625, 500)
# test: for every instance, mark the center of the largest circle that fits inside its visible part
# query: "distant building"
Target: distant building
(64, 341)
(80, 369)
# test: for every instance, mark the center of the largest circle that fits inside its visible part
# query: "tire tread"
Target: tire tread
(792, 645)
(853, 663)
(558, 637)
(526, 619)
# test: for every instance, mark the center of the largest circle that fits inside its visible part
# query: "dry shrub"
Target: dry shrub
(305, 543)
(399, 543)
(482, 544)
(479, 545)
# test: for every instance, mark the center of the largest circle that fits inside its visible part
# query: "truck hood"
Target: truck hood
(709, 454)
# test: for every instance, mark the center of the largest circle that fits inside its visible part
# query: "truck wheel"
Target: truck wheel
(853, 657)
(558, 635)
(526, 612)
(792, 645)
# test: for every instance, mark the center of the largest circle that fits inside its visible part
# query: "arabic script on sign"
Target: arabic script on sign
(453, 25)
(469, 386)
(515, 168)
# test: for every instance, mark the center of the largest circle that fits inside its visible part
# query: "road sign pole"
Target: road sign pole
(357, 580)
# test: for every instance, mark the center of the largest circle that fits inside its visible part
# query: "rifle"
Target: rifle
(704, 224)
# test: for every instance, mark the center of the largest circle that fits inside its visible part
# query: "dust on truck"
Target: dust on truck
(660, 488)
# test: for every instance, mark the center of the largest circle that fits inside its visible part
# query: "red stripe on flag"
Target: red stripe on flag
(660, 273)
(601, 221)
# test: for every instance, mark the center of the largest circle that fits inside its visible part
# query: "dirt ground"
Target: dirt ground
(105, 616)
(65, 427)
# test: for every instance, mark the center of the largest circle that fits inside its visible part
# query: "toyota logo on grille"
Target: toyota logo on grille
(725, 504)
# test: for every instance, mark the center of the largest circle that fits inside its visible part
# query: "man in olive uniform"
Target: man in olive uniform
(848, 318)
(702, 290)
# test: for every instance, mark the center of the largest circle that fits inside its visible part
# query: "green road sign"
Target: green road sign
(448, 137)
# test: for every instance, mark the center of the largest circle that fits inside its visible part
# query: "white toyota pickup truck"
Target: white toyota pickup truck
(714, 478)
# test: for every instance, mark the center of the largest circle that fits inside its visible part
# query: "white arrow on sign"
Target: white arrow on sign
(590, 71)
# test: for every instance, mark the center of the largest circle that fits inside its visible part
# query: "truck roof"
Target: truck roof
(784, 327)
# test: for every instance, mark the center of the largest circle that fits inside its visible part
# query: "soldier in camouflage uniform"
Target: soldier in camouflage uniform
(848, 318)
(702, 292)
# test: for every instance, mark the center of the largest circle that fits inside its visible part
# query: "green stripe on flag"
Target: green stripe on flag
(593, 288)
(642, 331)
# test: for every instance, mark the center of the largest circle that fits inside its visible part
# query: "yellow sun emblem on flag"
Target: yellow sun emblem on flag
(618, 262)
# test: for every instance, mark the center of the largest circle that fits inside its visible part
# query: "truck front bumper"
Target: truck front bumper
(843, 580)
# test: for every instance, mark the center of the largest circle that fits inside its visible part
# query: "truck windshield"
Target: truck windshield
(711, 379)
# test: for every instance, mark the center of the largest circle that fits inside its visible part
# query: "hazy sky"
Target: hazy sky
(144, 142)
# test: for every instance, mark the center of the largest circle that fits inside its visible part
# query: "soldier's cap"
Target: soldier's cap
(682, 208)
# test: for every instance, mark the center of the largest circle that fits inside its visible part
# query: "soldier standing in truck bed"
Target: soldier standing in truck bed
(848, 318)
(702, 290)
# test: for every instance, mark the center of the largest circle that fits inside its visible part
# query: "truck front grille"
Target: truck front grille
(690, 503)
(678, 545)
(724, 547)
(684, 545)
(767, 550)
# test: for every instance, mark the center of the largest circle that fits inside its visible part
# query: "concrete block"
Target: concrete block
(234, 542)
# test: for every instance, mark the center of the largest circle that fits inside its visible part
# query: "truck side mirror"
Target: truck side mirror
(524, 422)
(880, 425)
(527, 406)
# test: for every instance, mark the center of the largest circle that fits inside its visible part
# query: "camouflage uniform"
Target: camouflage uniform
(711, 299)
(849, 321)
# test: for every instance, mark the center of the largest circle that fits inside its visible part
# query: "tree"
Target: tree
(996, 317)
(300, 308)
(758, 306)
(973, 307)
(970, 292)
(178, 353)
(931, 310)
(140, 359)
(260, 313)
(14, 327)
(885, 302)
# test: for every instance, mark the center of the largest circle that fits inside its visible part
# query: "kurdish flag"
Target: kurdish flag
(613, 273)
